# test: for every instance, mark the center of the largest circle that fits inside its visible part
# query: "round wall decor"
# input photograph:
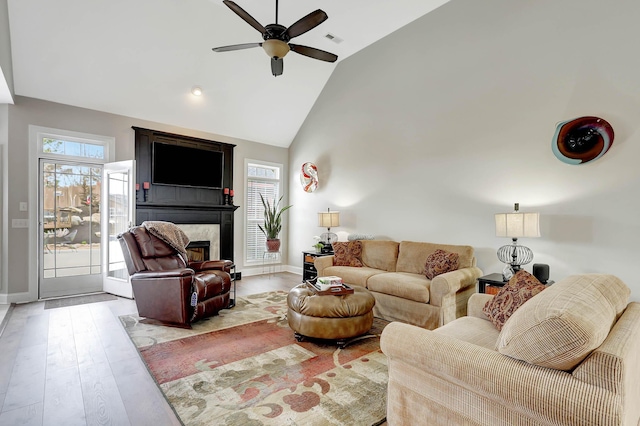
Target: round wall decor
(309, 177)
(581, 140)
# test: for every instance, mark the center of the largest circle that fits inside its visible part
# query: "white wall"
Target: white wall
(28, 111)
(429, 132)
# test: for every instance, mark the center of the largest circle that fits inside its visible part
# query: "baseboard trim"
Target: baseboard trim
(24, 297)
(258, 270)
(5, 319)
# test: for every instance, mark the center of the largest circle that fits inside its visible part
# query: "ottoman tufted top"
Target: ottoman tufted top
(301, 299)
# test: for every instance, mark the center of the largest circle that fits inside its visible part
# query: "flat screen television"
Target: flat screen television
(185, 166)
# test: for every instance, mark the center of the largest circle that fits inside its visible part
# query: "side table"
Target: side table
(232, 300)
(309, 271)
(492, 283)
(271, 259)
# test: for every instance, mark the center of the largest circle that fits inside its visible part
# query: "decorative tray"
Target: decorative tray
(333, 291)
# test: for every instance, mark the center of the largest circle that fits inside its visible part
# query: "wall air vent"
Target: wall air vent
(334, 38)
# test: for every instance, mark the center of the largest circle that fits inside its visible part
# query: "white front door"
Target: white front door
(118, 215)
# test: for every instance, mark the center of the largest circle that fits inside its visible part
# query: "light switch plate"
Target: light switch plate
(19, 223)
(23, 206)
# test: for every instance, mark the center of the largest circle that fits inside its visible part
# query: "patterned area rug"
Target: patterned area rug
(244, 367)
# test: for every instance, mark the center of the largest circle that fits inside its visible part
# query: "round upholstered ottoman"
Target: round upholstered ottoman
(329, 317)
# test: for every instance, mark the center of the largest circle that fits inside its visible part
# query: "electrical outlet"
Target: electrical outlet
(19, 223)
(23, 206)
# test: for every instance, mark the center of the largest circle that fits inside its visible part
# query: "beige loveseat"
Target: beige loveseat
(568, 356)
(394, 273)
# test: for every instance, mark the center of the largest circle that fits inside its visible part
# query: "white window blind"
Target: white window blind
(262, 178)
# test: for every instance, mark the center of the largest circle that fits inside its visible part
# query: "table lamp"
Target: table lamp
(327, 220)
(516, 225)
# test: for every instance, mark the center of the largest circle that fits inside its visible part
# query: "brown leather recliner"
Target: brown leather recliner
(164, 285)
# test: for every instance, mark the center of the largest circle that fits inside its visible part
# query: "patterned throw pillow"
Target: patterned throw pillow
(441, 261)
(520, 288)
(347, 253)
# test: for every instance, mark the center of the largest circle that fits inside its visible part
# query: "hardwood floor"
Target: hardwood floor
(77, 366)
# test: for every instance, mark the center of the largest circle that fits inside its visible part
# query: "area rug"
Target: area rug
(78, 300)
(244, 367)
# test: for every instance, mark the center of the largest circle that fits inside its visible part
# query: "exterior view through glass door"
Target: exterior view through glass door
(117, 217)
(70, 235)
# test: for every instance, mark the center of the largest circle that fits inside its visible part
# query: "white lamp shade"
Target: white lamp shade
(517, 225)
(329, 219)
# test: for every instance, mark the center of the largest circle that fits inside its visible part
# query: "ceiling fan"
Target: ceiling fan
(276, 37)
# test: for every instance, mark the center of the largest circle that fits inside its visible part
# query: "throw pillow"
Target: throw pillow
(520, 288)
(441, 261)
(347, 253)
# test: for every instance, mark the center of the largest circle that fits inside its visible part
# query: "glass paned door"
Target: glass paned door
(117, 217)
(70, 228)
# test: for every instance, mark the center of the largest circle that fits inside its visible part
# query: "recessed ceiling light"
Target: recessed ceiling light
(196, 90)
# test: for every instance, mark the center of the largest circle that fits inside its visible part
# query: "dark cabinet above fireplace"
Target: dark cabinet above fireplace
(181, 170)
(195, 199)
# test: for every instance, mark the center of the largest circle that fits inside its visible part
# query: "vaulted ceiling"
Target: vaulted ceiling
(141, 58)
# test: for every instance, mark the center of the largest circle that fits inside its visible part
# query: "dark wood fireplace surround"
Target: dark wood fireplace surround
(184, 205)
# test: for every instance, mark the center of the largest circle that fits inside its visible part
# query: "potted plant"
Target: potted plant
(272, 223)
(318, 245)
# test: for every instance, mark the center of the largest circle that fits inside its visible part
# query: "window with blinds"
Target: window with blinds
(262, 178)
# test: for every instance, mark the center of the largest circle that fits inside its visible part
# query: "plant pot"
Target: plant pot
(273, 245)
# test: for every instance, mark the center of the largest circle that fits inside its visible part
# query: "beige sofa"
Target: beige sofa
(573, 359)
(394, 273)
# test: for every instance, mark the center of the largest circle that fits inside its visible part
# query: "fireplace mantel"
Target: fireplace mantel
(187, 207)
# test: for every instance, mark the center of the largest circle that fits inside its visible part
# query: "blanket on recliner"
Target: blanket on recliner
(170, 233)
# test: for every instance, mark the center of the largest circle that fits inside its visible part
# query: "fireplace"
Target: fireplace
(198, 251)
(204, 240)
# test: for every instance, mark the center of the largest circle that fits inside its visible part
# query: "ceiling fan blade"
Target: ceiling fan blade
(236, 47)
(307, 23)
(314, 53)
(244, 15)
(277, 66)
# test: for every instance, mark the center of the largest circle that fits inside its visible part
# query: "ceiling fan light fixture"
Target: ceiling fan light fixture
(276, 37)
(275, 48)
